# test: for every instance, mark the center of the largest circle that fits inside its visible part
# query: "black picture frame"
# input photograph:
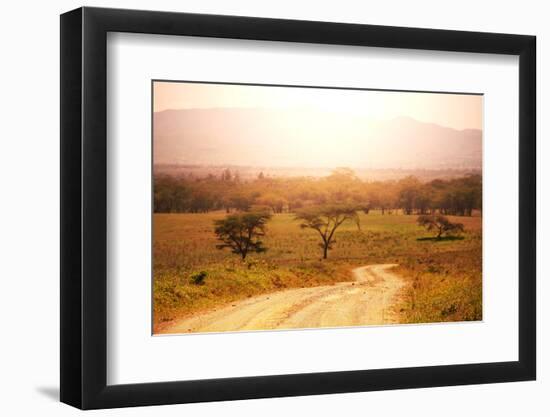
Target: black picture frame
(84, 207)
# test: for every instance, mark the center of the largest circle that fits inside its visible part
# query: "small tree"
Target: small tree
(441, 224)
(241, 232)
(325, 220)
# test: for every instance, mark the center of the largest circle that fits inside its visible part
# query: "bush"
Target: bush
(198, 279)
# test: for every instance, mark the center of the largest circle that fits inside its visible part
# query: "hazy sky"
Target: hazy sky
(451, 110)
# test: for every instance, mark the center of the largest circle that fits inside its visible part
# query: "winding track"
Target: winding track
(366, 301)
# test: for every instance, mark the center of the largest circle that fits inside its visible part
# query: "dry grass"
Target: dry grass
(444, 287)
(444, 276)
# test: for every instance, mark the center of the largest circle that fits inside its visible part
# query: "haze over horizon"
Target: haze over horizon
(307, 127)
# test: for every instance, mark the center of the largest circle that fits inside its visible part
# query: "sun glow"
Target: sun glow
(216, 124)
(458, 111)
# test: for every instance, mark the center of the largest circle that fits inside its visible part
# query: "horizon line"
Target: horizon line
(324, 111)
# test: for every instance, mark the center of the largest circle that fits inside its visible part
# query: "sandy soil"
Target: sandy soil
(366, 301)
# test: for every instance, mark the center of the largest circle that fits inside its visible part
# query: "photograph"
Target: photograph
(280, 207)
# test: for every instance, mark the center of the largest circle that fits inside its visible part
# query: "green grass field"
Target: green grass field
(444, 277)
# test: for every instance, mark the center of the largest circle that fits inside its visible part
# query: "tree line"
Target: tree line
(188, 194)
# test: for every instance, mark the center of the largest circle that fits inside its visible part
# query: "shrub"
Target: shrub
(198, 279)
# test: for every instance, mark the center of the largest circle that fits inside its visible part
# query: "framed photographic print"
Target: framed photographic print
(257, 207)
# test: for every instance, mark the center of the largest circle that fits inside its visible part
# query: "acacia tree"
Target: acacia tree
(325, 220)
(242, 232)
(441, 224)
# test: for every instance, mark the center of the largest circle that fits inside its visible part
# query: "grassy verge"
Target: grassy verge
(441, 287)
(178, 294)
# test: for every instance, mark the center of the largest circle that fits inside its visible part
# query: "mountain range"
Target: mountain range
(287, 138)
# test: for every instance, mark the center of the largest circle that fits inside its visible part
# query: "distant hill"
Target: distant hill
(284, 138)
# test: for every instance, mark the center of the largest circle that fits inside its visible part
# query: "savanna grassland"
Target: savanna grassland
(191, 275)
(293, 208)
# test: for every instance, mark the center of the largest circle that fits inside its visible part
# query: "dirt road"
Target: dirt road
(366, 301)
